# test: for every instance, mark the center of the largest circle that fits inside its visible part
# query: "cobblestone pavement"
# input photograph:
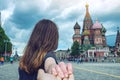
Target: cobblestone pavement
(9, 71)
(84, 71)
(97, 71)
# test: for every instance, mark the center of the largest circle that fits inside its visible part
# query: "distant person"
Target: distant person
(2, 60)
(113, 60)
(11, 60)
(39, 54)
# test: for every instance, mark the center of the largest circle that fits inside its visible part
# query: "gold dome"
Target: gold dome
(87, 5)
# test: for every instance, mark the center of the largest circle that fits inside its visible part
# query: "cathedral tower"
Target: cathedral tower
(103, 31)
(117, 43)
(98, 40)
(87, 25)
(76, 36)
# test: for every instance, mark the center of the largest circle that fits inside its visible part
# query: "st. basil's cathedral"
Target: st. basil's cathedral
(92, 34)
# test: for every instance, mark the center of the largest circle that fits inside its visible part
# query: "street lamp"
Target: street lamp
(13, 50)
(5, 41)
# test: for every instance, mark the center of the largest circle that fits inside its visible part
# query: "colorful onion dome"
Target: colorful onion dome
(86, 32)
(77, 26)
(97, 25)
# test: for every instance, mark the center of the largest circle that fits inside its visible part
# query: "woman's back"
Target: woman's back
(23, 75)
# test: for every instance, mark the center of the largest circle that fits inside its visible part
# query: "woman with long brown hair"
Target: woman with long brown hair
(39, 52)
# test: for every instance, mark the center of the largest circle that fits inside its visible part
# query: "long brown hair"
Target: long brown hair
(44, 38)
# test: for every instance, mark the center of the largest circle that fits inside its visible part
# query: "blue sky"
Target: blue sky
(20, 16)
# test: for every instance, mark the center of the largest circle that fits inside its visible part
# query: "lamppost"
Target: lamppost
(13, 51)
(5, 41)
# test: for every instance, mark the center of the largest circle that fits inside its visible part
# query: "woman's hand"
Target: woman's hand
(46, 76)
(62, 70)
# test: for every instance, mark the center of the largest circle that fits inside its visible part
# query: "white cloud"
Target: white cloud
(111, 28)
(103, 7)
(65, 32)
(26, 5)
(5, 14)
(21, 38)
(109, 33)
(65, 13)
(20, 47)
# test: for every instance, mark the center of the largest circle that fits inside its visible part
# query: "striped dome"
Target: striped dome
(77, 26)
(97, 25)
(76, 35)
(86, 32)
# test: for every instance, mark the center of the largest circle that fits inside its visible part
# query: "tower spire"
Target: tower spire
(87, 11)
(117, 43)
(87, 20)
(87, 24)
(86, 7)
(118, 33)
(117, 28)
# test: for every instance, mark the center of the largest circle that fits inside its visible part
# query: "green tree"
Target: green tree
(75, 49)
(4, 37)
(86, 47)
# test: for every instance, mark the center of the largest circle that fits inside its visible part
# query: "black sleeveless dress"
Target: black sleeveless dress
(33, 76)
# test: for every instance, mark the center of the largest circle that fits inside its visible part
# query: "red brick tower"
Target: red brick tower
(87, 25)
(98, 39)
(76, 36)
(117, 43)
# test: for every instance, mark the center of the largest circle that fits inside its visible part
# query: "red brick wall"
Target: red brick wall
(99, 54)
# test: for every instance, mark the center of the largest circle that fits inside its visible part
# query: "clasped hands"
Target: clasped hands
(60, 71)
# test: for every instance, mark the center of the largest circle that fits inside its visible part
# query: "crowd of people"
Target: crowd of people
(2, 60)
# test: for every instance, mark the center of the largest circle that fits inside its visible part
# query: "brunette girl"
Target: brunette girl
(39, 52)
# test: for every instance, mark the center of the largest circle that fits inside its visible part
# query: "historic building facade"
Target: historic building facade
(62, 54)
(117, 43)
(92, 34)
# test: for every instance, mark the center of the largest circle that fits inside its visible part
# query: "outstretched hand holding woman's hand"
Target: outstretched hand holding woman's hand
(60, 71)
(46, 76)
